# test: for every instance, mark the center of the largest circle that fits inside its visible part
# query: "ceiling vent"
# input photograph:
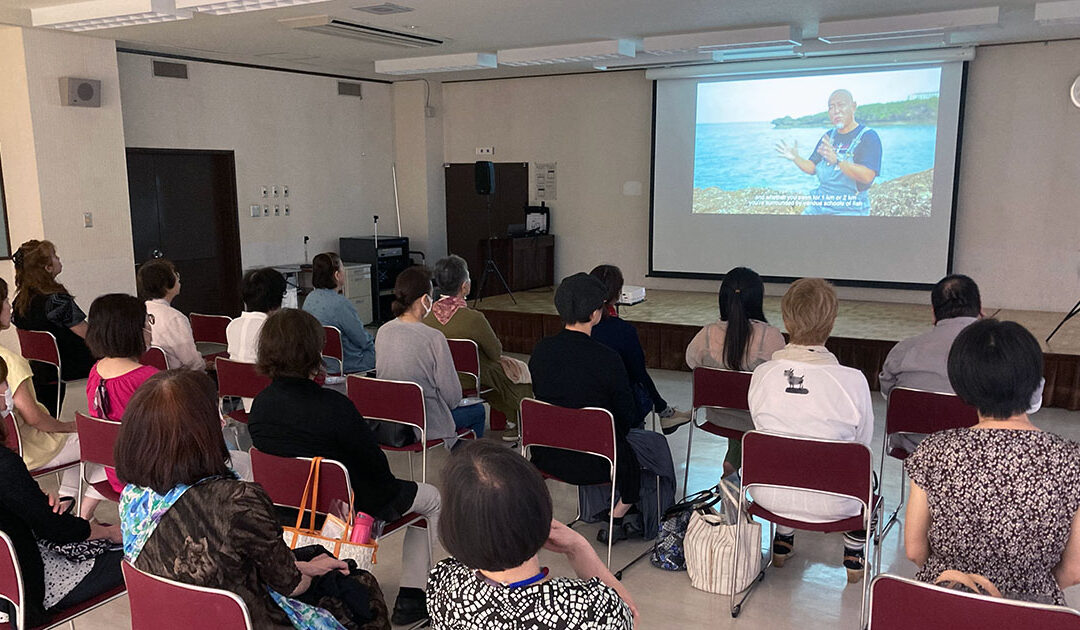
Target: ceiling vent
(386, 8)
(343, 28)
(170, 69)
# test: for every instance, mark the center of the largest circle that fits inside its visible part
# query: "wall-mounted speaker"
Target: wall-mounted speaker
(80, 92)
(485, 178)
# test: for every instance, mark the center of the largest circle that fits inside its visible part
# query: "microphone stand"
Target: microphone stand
(1071, 314)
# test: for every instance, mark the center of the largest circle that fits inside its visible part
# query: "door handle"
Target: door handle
(156, 253)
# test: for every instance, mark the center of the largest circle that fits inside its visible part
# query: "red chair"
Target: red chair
(97, 437)
(284, 479)
(13, 590)
(466, 355)
(241, 380)
(590, 430)
(401, 402)
(210, 329)
(829, 467)
(715, 388)
(40, 346)
(919, 411)
(898, 603)
(155, 357)
(13, 441)
(332, 348)
(161, 604)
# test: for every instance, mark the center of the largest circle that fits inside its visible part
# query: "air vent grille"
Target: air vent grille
(170, 70)
(386, 8)
(349, 89)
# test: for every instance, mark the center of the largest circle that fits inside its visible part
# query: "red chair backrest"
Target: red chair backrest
(714, 387)
(39, 345)
(11, 587)
(589, 430)
(162, 604)
(466, 355)
(236, 378)
(380, 399)
(96, 439)
(155, 357)
(11, 434)
(332, 346)
(209, 328)
(901, 603)
(918, 411)
(284, 479)
(833, 466)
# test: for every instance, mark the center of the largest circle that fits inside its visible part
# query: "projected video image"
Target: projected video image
(855, 144)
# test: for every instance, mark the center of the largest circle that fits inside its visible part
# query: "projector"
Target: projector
(631, 295)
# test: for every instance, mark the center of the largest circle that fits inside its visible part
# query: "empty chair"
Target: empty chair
(241, 380)
(210, 329)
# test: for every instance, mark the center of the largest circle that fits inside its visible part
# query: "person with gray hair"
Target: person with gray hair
(451, 316)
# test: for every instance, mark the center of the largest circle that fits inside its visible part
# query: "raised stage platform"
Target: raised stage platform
(862, 337)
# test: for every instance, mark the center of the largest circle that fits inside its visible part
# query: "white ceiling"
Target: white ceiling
(488, 25)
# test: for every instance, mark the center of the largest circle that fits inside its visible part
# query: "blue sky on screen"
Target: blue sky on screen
(758, 100)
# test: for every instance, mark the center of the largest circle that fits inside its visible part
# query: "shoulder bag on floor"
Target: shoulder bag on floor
(668, 552)
(710, 546)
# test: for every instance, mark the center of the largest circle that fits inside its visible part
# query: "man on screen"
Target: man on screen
(846, 161)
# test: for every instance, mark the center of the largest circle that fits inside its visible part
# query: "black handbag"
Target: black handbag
(668, 552)
(392, 433)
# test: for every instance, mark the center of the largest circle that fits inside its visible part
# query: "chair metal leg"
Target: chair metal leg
(686, 468)
(619, 573)
(736, 608)
(894, 517)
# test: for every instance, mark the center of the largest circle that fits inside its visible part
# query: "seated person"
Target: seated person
(1001, 498)
(498, 517)
(453, 318)
(185, 516)
(622, 337)
(295, 417)
(573, 370)
(119, 333)
(333, 309)
(42, 303)
(262, 290)
(408, 350)
(804, 391)
(159, 284)
(46, 442)
(740, 340)
(41, 532)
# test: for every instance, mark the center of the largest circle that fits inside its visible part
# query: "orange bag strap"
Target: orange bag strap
(317, 463)
(313, 475)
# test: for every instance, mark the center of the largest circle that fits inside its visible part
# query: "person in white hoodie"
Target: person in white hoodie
(804, 391)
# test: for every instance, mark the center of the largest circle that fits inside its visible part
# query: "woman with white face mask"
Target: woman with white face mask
(407, 349)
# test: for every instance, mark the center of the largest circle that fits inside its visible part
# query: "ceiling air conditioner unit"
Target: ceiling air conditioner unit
(343, 28)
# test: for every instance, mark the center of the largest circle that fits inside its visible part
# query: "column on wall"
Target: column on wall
(418, 156)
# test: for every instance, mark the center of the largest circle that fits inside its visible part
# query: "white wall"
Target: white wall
(62, 161)
(418, 151)
(1017, 231)
(333, 152)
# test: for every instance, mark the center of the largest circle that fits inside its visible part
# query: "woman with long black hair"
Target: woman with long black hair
(740, 340)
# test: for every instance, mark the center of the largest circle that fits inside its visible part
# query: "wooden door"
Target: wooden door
(183, 207)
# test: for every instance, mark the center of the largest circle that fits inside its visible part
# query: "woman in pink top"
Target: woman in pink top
(119, 334)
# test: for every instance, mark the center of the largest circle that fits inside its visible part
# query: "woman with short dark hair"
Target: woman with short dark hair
(295, 417)
(1002, 498)
(452, 316)
(41, 531)
(159, 284)
(119, 334)
(187, 518)
(497, 517)
(333, 309)
(406, 349)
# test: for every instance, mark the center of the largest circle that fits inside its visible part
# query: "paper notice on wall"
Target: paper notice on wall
(545, 180)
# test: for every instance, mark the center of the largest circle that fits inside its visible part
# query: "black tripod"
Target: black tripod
(489, 266)
(1071, 314)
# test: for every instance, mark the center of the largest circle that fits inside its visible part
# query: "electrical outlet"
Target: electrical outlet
(88, 219)
(286, 209)
(266, 210)
(265, 192)
(256, 210)
(277, 210)
(285, 192)
(487, 151)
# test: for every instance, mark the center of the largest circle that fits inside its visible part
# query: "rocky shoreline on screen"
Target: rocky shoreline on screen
(906, 196)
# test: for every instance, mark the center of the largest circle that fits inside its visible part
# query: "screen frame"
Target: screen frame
(844, 282)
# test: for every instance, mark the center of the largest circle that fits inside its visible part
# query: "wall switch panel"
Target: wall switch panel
(265, 192)
(274, 191)
(286, 210)
(266, 210)
(256, 210)
(285, 192)
(277, 210)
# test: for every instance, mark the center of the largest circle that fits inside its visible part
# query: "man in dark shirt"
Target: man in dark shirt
(571, 369)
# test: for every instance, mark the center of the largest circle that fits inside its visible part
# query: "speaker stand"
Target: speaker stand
(490, 267)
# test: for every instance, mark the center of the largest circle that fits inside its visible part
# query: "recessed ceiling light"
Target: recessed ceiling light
(99, 14)
(386, 8)
(227, 7)
(764, 37)
(568, 53)
(903, 26)
(437, 63)
(1062, 12)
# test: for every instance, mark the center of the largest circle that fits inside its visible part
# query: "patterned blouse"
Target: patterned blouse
(458, 599)
(1001, 505)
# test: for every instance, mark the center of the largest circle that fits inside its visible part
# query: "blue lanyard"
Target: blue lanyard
(526, 582)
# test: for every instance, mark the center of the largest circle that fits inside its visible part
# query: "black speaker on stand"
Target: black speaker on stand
(485, 187)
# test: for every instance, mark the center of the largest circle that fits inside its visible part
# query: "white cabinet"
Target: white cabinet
(358, 289)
